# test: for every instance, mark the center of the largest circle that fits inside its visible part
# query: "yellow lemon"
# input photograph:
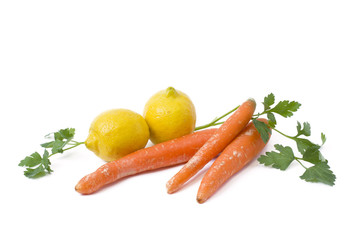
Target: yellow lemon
(116, 133)
(169, 114)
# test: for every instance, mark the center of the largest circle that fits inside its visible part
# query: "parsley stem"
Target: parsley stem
(74, 145)
(259, 114)
(298, 160)
(73, 142)
(216, 120)
(283, 134)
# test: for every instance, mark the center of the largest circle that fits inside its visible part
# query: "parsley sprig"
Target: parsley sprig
(284, 155)
(39, 165)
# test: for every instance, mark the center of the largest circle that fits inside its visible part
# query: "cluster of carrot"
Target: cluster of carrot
(236, 142)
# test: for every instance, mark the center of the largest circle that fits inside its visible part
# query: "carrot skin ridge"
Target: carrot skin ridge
(222, 137)
(161, 155)
(244, 148)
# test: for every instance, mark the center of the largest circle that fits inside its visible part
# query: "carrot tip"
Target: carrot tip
(170, 187)
(170, 190)
(79, 189)
(200, 200)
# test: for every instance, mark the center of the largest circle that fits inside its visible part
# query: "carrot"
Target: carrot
(245, 147)
(164, 154)
(222, 137)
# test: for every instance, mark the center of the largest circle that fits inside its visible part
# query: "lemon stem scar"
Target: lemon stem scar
(170, 91)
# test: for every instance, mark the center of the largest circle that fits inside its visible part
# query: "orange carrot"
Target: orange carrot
(222, 137)
(164, 154)
(245, 147)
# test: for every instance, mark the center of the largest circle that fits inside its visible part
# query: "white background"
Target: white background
(64, 62)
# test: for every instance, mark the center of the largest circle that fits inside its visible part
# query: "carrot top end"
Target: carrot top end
(252, 100)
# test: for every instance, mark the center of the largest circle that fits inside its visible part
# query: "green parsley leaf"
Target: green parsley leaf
(286, 108)
(31, 161)
(47, 144)
(303, 144)
(272, 119)
(67, 133)
(37, 166)
(323, 138)
(58, 146)
(35, 172)
(319, 173)
(313, 155)
(268, 101)
(280, 160)
(263, 129)
(305, 130)
(46, 162)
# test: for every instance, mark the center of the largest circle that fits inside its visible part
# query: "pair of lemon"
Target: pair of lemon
(167, 115)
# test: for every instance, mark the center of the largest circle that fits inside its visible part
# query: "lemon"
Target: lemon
(116, 133)
(169, 114)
